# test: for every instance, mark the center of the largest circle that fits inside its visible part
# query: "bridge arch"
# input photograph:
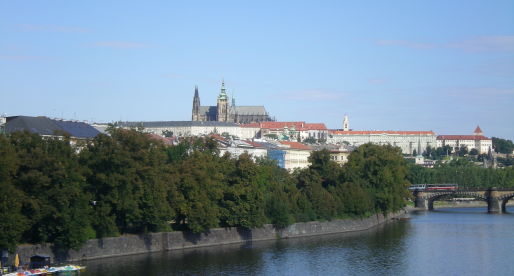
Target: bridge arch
(504, 199)
(436, 196)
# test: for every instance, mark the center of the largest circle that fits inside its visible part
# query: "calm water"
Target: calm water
(464, 241)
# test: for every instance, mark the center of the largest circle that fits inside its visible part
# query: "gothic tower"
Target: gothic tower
(346, 123)
(222, 110)
(196, 106)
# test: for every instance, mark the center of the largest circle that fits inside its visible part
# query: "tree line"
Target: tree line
(463, 172)
(128, 182)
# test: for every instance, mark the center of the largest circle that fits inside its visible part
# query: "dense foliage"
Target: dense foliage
(503, 145)
(128, 182)
(462, 172)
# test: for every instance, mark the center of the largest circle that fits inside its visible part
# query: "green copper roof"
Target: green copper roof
(223, 93)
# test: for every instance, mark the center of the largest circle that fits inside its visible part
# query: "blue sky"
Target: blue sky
(434, 65)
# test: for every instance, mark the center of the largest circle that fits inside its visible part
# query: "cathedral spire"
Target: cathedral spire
(196, 106)
(223, 92)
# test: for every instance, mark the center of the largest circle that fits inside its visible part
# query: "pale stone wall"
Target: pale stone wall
(250, 132)
(482, 146)
(407, 143)
(254, 152)
(296, 159)
(340, 157)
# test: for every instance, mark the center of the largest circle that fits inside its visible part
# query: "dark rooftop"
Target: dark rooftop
(46, 126)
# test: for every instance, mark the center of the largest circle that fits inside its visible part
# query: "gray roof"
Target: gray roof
(249, 110)
(46, 126)
(211, 110)
(176, 124)
(240, 110)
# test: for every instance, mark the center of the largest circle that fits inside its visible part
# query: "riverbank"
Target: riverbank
(155, 242)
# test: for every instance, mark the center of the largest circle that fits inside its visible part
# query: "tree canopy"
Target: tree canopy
(128, 182)
(503, 145)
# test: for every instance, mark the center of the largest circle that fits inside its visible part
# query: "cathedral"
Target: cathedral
(228, 112)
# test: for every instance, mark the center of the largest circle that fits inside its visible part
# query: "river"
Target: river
(448, 241)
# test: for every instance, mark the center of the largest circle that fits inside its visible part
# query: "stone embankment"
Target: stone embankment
(154, 242)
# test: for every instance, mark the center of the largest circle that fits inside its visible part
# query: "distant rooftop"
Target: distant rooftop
(45, 126)
(378, 132)
(176, 124)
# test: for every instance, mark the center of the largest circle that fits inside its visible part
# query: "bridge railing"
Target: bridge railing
(470, 189)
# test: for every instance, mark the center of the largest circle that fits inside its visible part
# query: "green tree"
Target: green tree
(382, 171)
(12, 222)
(310, 140)
(503, 145)
(463, 151)
(326, 168)
(127, 178)
(243, 201)
(51, 177)
(167, 133)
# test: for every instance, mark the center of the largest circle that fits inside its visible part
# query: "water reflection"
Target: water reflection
(465, 241)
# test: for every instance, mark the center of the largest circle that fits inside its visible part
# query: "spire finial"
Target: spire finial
(223, 93)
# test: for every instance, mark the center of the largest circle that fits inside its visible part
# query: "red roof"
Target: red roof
(165, 140)
(256, 145)
(370, 132)
(478, 130)
(462, 137)
(219, 137)
(316, 126)
(299, 126)
(295, 145)
(280, 125)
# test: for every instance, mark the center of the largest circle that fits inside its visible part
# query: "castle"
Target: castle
(226, 112)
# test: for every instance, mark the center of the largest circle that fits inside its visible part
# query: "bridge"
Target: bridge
(496, 198)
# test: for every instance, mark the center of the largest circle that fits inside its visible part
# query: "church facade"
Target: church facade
(224, 111)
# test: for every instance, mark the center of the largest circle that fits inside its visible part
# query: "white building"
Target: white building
(477, 141)
(293, 131)
(3, 120)
(193, 128)
(239, 147)
(296, 155)
(407, 141)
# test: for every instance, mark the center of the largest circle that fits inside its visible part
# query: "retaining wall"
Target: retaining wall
(154, 242)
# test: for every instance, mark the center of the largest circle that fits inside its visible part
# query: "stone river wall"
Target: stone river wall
(154, 242)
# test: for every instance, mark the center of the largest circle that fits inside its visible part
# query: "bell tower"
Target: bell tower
(222, 110)
(346, 123)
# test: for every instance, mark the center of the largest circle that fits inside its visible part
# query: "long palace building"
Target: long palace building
(408, 141)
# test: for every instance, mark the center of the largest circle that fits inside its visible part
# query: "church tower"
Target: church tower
(478, 131)
(346, 123)
(222, 110)
(196, 106)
